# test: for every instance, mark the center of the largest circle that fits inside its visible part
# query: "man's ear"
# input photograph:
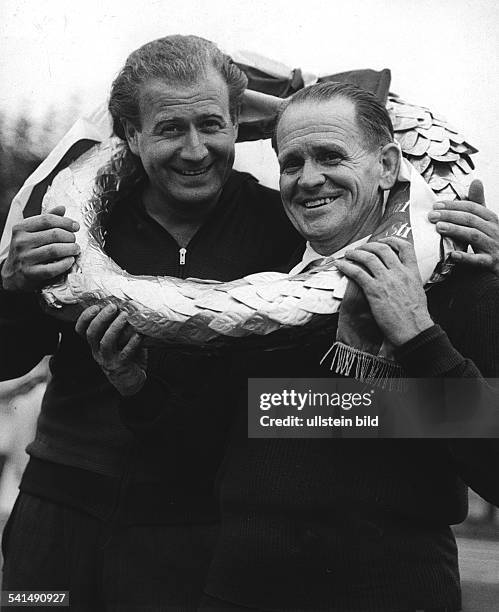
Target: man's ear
(132, 136)
(235, 124)
(390, 164)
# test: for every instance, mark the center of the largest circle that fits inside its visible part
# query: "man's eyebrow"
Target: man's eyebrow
(166, 119)
(319, 149)
(287, 159)
(290, 154)
(175, 118)
(330, 148)
(211, 114)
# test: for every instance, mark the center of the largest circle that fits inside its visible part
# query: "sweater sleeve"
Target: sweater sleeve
(431, 354)
(469, 350)
(26, 333)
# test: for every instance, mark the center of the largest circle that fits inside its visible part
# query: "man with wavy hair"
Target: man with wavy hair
(98, 514)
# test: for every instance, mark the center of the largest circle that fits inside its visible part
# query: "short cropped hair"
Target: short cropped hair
(176, 58)
(372, 117)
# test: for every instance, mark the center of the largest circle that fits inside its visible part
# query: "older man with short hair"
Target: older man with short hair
(349, 525)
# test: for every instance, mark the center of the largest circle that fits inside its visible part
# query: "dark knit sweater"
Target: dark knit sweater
(350, 525)
(82, 454)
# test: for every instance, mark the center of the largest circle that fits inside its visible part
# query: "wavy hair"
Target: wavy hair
(177, 59)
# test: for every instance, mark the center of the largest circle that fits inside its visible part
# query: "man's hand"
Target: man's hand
(388, 274)
(115, 347)
(471, 222)
(258, 106)
(42, 248)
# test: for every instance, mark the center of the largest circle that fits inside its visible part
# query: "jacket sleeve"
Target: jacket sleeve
(471, 353)
(26, 333)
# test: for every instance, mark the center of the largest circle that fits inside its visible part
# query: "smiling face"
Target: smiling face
(185, 141)
(331, 183)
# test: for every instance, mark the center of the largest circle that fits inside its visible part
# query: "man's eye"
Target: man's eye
(330, 158)
(212, 125)
(290, 167)
(170, 129)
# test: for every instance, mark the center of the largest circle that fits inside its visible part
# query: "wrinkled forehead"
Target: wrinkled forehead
(208, 93)
(310, 123)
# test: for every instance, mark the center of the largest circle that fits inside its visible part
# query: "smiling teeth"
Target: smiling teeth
(321, 202)
(194, 172)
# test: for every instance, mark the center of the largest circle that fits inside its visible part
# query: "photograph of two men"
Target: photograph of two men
(249, 340)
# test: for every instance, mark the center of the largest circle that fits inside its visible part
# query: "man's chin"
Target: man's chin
(196, 197)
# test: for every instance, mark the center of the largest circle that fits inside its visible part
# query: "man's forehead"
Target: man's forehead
(318, 122)
(210, 93)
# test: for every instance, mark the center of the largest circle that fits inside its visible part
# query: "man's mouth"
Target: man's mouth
(195, 172)
(317, 203)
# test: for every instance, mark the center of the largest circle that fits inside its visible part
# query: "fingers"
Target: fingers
(383, 251)
(369, 260)
(51, 253)
(475, 237)
(108, 332)
(42, 247)
(39, 274)
(58, 210)
(111, 342)
(355, 273)
(51, 236)
(379, 256)
(468, 214)
(24, 241)
(47, 221)
(126, 335)
(476, 192)
(85, 318)
(99, 326)
(480, 259)
(132, 346)
(94, 322)
(403, 248)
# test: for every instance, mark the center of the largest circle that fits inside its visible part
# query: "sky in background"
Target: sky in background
(442, 53)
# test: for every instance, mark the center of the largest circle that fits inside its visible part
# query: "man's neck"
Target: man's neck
(330, 248)
(179, 219)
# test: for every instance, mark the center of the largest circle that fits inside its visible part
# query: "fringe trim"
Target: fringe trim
(379, 371)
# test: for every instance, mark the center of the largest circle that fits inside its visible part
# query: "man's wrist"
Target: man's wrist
(410, 332)
(428, 355)
(127, 383)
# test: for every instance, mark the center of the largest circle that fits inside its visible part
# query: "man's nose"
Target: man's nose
(193, 148)
(311, 176)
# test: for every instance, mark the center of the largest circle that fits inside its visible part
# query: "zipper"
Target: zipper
(181, 260)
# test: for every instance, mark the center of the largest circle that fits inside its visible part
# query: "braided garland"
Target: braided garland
(200, 312)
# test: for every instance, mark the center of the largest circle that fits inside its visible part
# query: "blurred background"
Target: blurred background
(57, 60)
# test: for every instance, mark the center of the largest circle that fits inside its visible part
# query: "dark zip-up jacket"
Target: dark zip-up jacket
(82, 454)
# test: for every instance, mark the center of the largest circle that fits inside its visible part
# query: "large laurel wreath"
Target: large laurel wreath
(199, 312)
